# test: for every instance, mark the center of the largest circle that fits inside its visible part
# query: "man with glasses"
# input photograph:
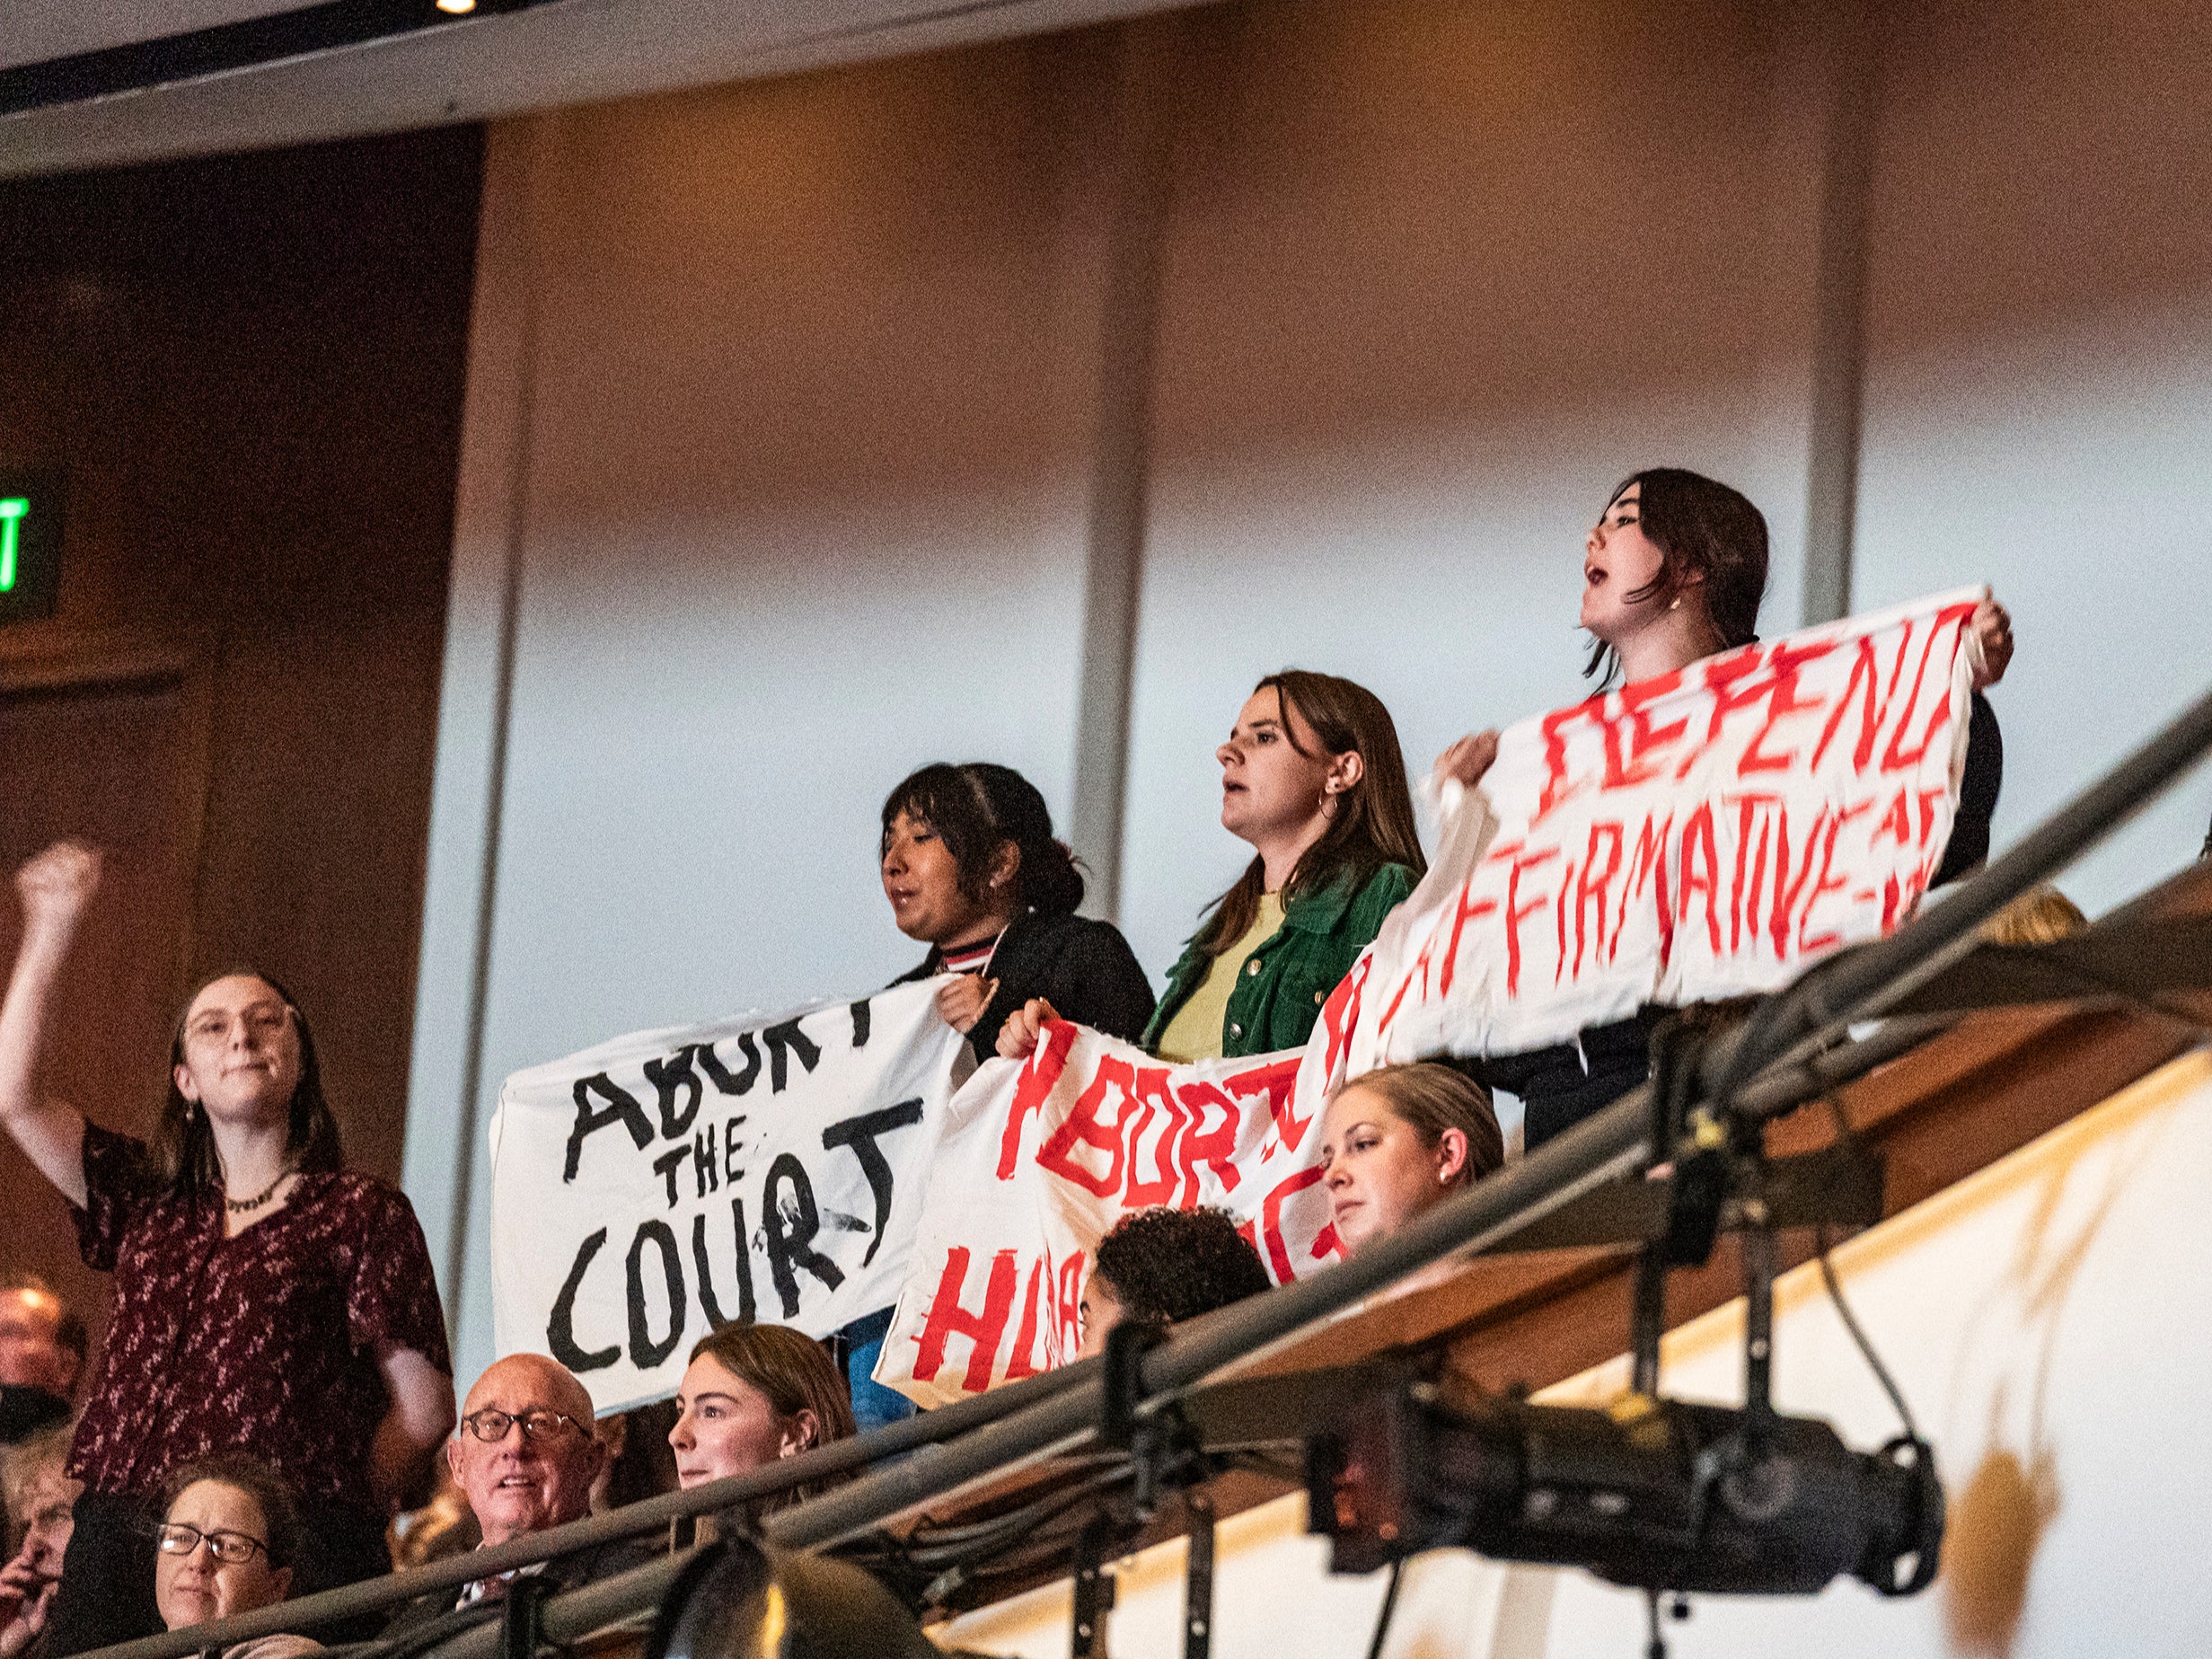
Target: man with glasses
(524, 1454)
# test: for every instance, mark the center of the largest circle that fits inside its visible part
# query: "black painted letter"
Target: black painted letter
(560, 1329)
(669, 1077)
(720, 1077)
(795, 1249)
(859, 1134)
(782, 1041)
(644, 1351)
(621, 1106)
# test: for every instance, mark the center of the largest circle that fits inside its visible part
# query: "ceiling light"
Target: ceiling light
(459, 8)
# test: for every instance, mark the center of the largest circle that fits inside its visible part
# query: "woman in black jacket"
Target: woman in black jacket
(972, 870)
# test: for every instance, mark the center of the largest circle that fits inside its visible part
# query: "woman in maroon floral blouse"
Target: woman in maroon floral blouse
(265, 1298)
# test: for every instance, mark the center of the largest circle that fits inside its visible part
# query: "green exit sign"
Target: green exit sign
(30, 499)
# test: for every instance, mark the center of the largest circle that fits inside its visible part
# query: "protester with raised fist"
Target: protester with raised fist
(266, 1298)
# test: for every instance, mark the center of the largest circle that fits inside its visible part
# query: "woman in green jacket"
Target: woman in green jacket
(1312, 777)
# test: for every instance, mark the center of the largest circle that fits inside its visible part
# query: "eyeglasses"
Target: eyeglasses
(492, 1425)
(263, 1020)
(175, 1538)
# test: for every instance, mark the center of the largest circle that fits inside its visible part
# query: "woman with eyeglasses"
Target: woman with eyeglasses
(226, 1545)
(264, 1296)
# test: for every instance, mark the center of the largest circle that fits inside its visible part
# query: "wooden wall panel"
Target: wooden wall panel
(251, 368)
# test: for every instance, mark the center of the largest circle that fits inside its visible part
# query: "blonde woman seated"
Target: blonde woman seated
(754, 1395)
(226, 1545)
(1399, 1140)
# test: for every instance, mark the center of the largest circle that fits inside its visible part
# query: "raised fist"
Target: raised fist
(57, 884)
(1469, 758)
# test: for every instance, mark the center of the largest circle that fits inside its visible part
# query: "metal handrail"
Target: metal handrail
(908, 1438)
(1612, 1144)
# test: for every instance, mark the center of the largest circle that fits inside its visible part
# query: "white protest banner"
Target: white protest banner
(1708, 834)
(1039, 1159)
(650, 1189)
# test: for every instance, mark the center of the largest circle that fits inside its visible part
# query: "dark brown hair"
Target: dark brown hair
(1374, 822)
(184, 1164)
(1430, 1098)
(248, 1474)
(1164, 1265)
(977, 808)
(1700, 526)
(794, 1372)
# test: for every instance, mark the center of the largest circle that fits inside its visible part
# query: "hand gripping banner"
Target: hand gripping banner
(652, 1188)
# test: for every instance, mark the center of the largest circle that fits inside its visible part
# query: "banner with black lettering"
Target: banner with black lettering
(650, 1189)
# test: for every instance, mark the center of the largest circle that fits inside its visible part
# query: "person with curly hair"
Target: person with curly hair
(1160, 1267)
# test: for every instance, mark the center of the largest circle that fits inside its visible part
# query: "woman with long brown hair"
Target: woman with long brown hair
(1312, 778)
(754, 1395)
(267, 1299)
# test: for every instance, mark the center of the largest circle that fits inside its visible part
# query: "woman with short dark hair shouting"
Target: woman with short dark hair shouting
(1674, 571)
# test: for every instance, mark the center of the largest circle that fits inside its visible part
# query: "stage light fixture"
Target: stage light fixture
(1654, 1494)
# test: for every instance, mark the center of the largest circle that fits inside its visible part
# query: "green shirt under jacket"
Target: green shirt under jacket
(1287, 978)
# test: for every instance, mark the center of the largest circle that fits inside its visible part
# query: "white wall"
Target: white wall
(1419, 317)
(2039, 387)
(781, 443)
(2045, 1321)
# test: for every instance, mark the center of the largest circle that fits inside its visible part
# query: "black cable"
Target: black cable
(1858, 1335)
(1389, 1606)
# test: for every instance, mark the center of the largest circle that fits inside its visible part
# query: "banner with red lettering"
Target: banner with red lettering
(1708, 834)
(1038, 1158)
